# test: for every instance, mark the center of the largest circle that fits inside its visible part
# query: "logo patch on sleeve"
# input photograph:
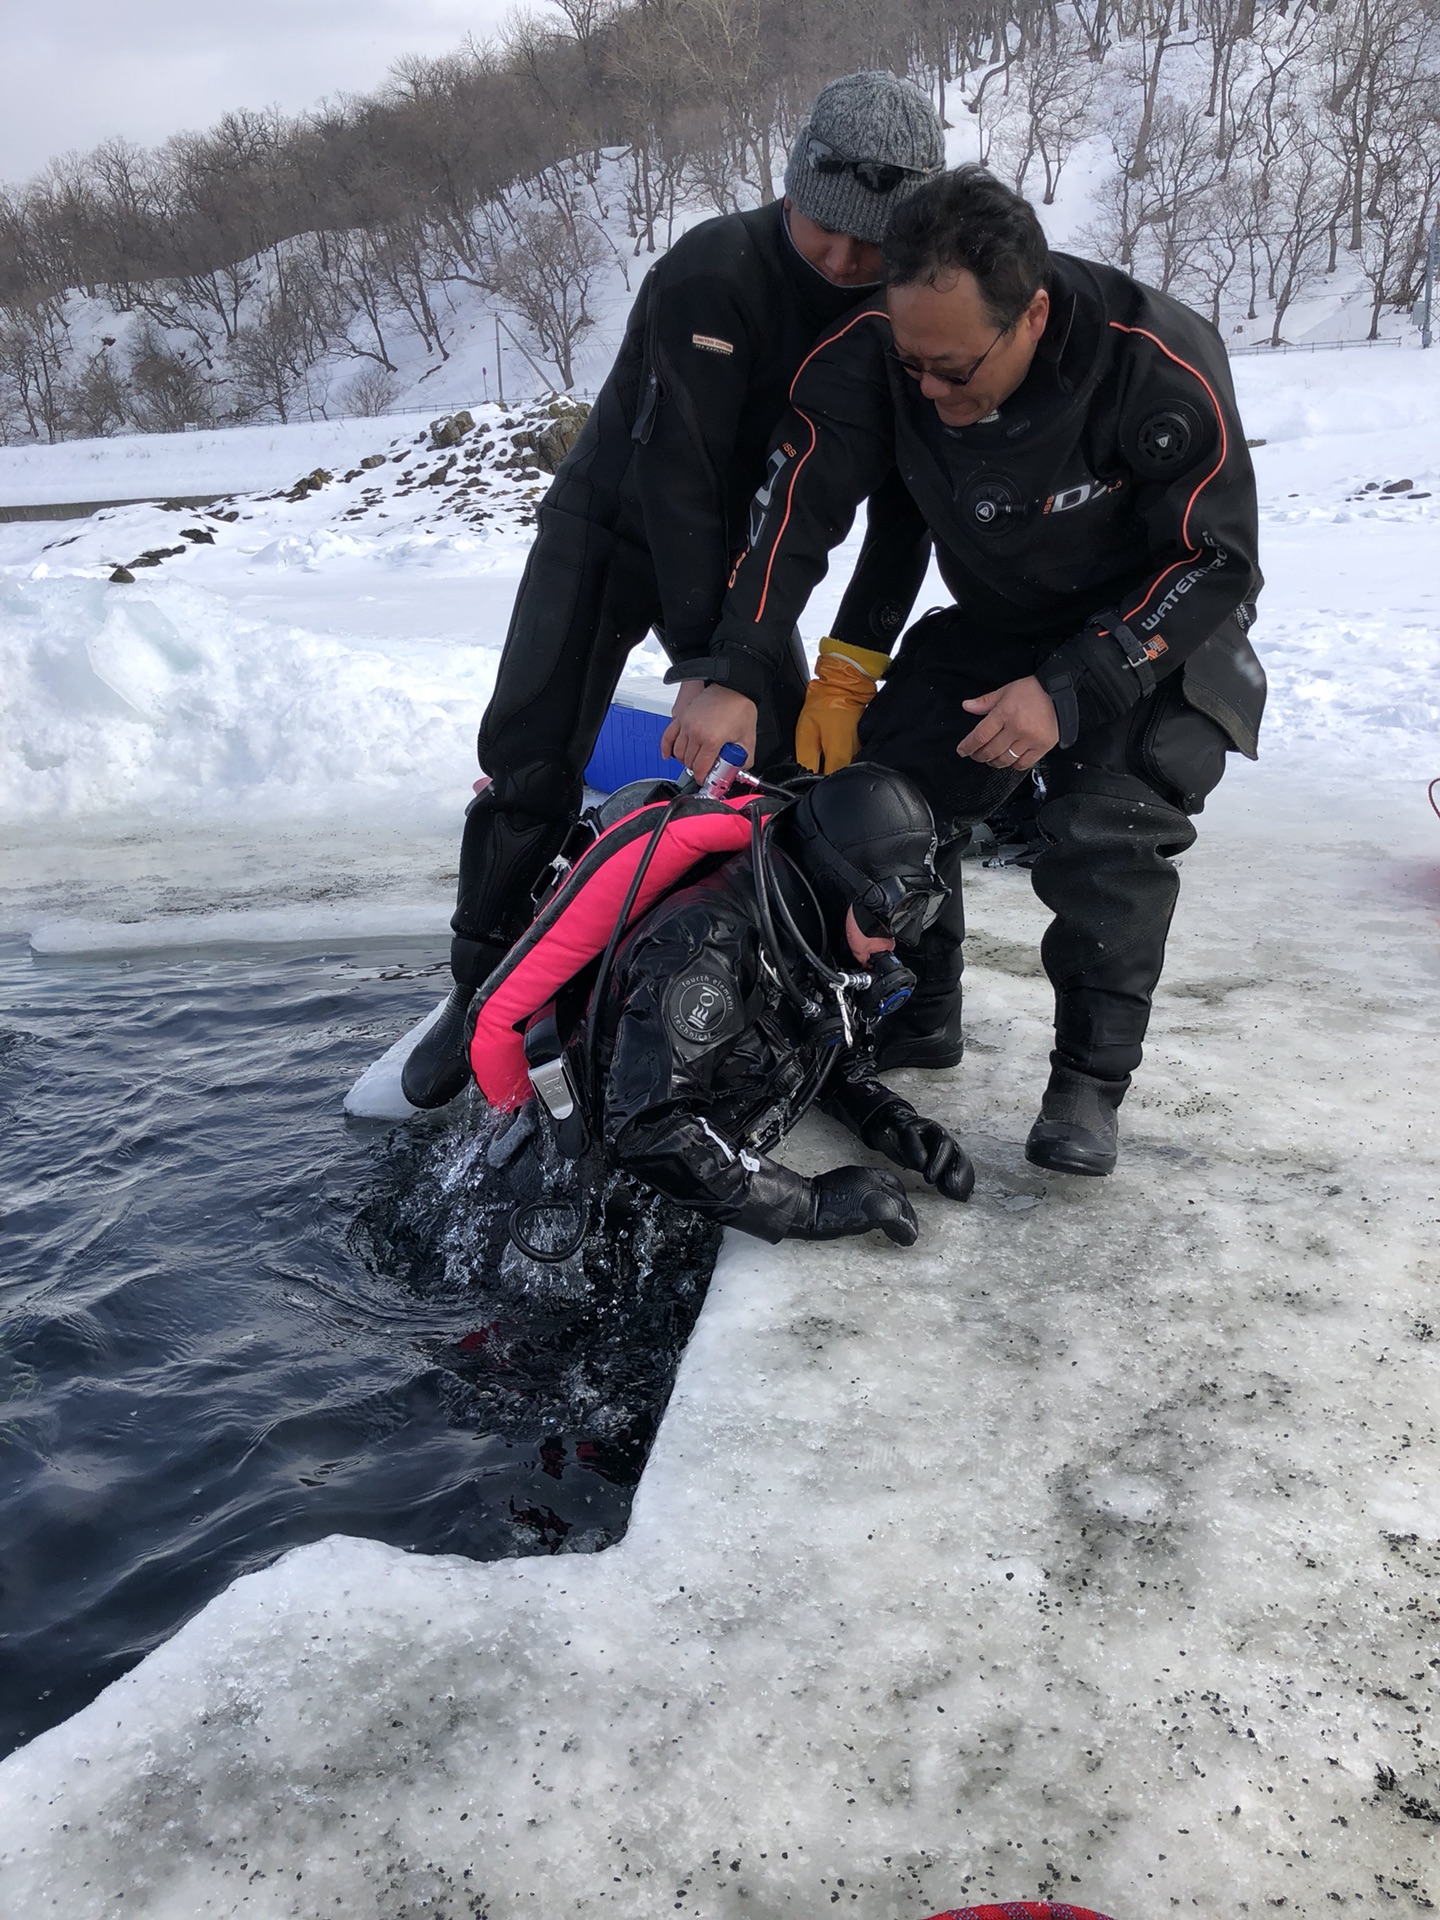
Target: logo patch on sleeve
(712, 343)
(702, 1008)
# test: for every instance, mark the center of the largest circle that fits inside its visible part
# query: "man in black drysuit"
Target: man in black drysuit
(648, 513)
(715, 1024)
(1071, 440)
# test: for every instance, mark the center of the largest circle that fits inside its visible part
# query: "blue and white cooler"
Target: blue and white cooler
(629, 744)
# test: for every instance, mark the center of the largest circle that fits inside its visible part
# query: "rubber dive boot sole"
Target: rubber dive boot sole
(1062, 1148)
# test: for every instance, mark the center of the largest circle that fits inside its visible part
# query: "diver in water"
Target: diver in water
(747, 989)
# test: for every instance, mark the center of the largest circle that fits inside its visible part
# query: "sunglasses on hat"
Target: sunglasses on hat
(895, 909)
(880, 176)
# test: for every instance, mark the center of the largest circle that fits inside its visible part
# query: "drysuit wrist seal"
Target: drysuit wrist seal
(1139, 654)
(1059, 683)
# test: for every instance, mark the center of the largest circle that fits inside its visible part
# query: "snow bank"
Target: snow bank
(165, 690)
(168, 697)
(1333, 395)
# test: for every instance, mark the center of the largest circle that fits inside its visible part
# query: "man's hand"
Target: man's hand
(704, 719)
(1019, 726)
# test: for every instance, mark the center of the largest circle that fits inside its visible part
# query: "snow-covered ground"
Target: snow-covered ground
(1089, 1548)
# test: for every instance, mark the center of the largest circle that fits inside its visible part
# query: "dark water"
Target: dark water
(232, 1321)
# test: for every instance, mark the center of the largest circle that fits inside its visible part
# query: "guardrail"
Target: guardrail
(82, 509)
(1314, 346)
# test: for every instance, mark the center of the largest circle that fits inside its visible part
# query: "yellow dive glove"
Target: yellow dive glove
(827, 732)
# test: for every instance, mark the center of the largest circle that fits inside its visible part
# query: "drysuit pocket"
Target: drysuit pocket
(1177, 748)
(1224, 680)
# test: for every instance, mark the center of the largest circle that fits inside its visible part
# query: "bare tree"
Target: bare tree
(546, 275)
(33, 343)
(1050, 103)
(273, 357)
(373, 390)
(1378, 52)
(1225, 233)
(96, 400)
(1182, 169)
(168, 389)
(1406, 169)
(1298, 191)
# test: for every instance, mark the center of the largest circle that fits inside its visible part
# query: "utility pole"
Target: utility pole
(1424, 308)
(499, 364)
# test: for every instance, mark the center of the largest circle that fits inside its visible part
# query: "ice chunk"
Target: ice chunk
(376, 1094)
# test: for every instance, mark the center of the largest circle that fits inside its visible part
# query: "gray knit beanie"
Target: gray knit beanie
(864, 116)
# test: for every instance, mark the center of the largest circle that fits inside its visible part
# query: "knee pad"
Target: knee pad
(540, 789)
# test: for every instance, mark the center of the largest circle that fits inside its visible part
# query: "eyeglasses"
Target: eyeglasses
(894, 908)
(880, 176)
(917, 372)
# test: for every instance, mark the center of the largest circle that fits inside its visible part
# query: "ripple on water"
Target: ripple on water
(232, 1322)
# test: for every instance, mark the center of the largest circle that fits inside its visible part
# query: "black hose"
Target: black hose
(767, 922)
(551, 1256)
(826, 972)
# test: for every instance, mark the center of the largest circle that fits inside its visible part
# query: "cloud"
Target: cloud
(76, 72)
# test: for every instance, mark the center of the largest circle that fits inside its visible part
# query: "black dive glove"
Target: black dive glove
(924, 1146)
(850, 1200)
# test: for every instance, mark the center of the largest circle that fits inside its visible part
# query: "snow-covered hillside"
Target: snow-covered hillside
(1222, 156)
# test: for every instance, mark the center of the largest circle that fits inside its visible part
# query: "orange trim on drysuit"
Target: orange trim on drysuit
(1194, 554)
(870, 313)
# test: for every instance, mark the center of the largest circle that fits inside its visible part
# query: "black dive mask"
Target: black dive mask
(900, 907)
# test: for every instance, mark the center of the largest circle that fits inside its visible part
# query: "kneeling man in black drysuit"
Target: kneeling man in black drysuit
(1071, 440)
(749, 992)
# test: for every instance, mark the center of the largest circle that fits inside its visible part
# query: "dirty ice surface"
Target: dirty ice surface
(1089, 1549)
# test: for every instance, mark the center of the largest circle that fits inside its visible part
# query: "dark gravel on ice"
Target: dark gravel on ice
(233, 1321)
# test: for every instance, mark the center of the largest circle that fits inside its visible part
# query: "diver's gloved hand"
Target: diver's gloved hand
(902, 1135)
(850, 1200)
(827, 734)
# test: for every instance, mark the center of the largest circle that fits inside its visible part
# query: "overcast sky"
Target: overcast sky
(74, 72)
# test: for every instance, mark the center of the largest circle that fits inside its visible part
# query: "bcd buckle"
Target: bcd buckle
(554, 1084)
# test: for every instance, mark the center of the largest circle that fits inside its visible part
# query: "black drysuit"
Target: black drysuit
(703, 1059)
(1100, 531)
(641, 529)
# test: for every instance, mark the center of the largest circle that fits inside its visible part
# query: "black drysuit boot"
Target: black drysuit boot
(439, 1066)
(927, 1031)
(1078, 1130)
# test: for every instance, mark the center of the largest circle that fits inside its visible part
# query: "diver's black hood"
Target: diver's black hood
(864, 824)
